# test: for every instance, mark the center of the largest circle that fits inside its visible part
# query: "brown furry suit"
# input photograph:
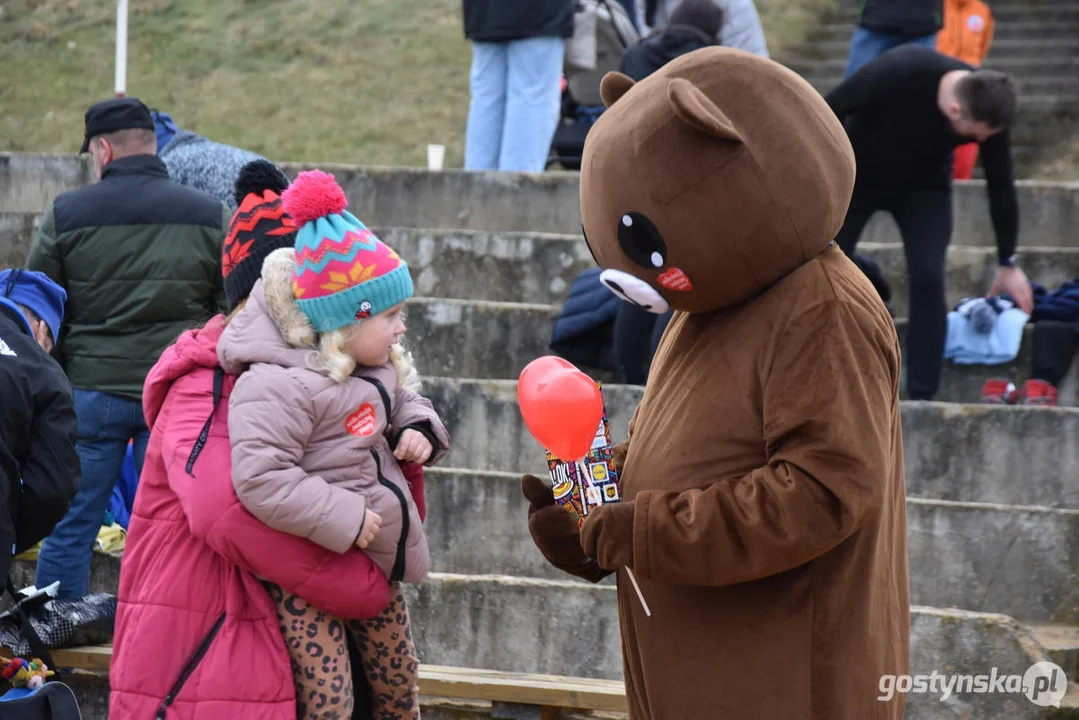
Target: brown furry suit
(763, 475)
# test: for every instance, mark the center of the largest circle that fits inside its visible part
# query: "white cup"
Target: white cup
(435, 155)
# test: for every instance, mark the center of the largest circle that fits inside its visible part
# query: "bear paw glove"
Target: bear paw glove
(555, 533)
(607, 535)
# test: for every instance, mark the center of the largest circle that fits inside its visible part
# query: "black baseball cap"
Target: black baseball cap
(116, 114)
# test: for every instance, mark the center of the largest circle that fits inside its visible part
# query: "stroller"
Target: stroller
(602, 32)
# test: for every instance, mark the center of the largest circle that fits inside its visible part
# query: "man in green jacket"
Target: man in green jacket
(140, 259)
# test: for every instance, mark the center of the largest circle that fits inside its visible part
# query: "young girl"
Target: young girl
(323, 412)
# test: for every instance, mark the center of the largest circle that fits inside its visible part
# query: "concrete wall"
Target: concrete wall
(539, 268)
(534, 625)
(963, 453)
(547, 202)
(1017, 560)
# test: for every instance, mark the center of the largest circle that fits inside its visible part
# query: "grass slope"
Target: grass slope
(353, 81)
(315, 80)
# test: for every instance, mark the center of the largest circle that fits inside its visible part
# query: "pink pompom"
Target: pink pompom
(313, 194)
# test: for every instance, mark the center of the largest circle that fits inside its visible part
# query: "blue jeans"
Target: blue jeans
(866, 44)
(516, 103)
(106, 424)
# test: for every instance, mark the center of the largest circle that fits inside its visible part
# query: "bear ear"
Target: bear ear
(695, 109)
(613, 86)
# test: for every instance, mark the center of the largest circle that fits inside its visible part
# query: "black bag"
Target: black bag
(52, 701)
(88, 620)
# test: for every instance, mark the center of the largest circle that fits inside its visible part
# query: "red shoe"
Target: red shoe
(998, 391)
(1038, 392)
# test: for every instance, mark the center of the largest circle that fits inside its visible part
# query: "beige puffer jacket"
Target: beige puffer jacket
(310, 455)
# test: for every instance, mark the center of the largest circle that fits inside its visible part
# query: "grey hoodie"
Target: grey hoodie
(203, 164)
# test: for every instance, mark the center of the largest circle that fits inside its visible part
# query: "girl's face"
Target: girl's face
(372, 339)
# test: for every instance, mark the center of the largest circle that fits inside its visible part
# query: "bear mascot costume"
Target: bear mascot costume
(764, 506)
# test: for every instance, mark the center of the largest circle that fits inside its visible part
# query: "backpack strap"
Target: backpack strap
(200, 442)
(614, 24)
(37, 647)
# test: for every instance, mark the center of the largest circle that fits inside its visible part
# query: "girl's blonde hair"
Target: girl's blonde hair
(235, 311)
(297, 331)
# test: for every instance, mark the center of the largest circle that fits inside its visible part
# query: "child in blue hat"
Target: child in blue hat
(38, 302)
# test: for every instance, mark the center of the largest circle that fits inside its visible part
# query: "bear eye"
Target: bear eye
(641, 241)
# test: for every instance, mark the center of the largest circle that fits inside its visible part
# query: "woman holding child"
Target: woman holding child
(281, 504)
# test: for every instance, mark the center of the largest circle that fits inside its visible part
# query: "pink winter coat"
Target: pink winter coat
(189, 565)
(310, 454)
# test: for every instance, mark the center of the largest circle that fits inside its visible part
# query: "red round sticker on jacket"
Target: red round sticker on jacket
(362, 422)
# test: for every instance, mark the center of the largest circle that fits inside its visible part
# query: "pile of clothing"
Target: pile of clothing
(984, 331)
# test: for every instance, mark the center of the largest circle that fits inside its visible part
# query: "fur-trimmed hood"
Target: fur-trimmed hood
(310, 454)
(271, 329)
(280, 334)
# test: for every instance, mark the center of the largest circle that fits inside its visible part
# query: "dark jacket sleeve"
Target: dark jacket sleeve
(507, 20)
(1000, 184)
(50, 470)
(874, 81)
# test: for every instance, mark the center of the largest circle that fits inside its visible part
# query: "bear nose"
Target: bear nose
(634, 291)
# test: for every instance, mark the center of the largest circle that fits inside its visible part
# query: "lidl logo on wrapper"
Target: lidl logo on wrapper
(585, 484)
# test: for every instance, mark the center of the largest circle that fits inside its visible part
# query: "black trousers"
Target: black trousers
(636, 336)
(1055, 344)
(924, 217)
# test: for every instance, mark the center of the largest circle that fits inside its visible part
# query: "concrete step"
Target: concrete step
(92, 694)
(1061, 643)
(1029, 30)
(995, 558)
(458, 335)
(974, 556)
(542, 203)
(465, 339)
(971, 269)
(544, 619)
(816, 61)
(962, 453)
(464, 620)
(1029, 88)
(1063, 11)
(1003, 47)
(480, 265)
(539, 268)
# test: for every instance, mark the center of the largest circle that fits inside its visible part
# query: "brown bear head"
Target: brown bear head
(711, 179)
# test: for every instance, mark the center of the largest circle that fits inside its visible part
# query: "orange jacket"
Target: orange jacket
(967, 32)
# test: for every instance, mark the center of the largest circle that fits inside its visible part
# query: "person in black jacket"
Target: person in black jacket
(694, 24)
(884, 24)
(39, 468)
(140, 258)
(904, 113)
(517, 52)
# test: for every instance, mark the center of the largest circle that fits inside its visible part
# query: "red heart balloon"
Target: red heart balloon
(561, 406)
(537, 370)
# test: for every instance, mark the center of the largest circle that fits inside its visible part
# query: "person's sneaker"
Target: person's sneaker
(998, 391)
(1038, 392)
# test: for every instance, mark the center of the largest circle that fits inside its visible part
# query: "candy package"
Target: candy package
(592, 481)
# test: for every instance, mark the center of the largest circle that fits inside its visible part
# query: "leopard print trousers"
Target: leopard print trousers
(321, 667)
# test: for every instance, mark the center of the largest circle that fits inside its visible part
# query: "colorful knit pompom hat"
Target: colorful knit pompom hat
(258, 227)
(343, 272)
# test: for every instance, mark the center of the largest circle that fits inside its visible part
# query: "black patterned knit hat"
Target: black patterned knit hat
(259, 226)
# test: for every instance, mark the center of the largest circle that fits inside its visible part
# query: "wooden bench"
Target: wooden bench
(549, 694)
